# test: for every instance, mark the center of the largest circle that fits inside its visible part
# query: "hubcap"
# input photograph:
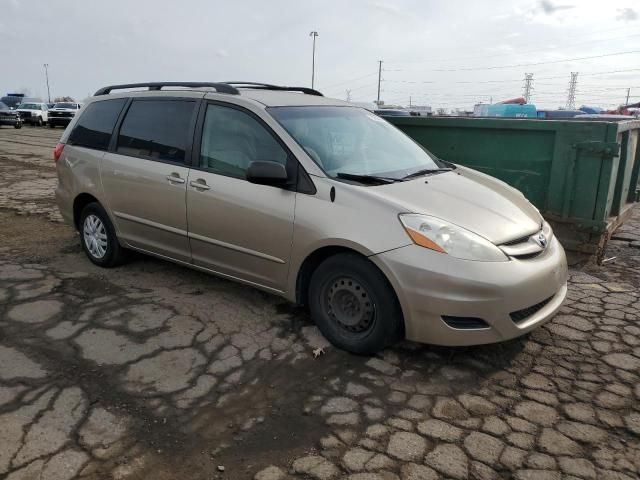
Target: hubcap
(349, 305)
(95, 236)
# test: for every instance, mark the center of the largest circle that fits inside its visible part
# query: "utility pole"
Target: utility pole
(409, 101)
(628, 93)
(313, 34)
(528, 84)
(571, 97)
(379, 79)
(46, 74)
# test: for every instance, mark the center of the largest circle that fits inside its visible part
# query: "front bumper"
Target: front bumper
(60, 120)
(430, 285)
(31, 120)
(10, 120)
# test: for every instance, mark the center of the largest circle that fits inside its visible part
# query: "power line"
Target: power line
(525, 52)
(349, 81)
(574, 59)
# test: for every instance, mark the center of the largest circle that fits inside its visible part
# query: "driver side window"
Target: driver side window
(232, 139)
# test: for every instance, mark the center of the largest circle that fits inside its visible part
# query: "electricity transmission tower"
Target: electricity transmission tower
(348, 95)
(571, 97)
(528, 86)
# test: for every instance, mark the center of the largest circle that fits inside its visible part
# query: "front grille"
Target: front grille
(528, 256)
(464, 323)
(61, 114)
(517, 241)
(521, 315)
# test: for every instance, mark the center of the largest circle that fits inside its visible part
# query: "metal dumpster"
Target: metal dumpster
(581, 175)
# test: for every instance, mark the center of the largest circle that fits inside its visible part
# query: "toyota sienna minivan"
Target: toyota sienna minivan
(313, 199)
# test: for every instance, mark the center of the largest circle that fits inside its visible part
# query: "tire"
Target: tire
(17, 125)
(98, 237)
(39, 122)
(353, 304)
(51, 125)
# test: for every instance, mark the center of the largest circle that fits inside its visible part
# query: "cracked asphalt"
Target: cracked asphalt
(153, 371)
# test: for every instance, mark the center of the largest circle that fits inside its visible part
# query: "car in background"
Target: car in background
(9, 116)
(62, 113)
(34, 113)
(391, 112)
(12, 100)
(559, 114)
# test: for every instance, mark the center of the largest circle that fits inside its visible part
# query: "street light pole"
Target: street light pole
(313, 34)
(46, 74)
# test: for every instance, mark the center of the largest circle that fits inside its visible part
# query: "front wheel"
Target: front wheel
(17, 125)
(39, 122)
(51, 125)
(353, 304)
(98, 237)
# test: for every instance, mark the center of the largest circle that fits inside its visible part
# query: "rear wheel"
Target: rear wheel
(98, 237)
(354, 305)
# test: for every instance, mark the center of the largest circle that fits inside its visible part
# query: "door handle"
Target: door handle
(175, 178)
(200, 184)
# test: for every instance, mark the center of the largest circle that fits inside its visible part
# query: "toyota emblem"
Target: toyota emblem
(541, 240)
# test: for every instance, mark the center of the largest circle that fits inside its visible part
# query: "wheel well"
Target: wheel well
(79, 203)
(313, 261)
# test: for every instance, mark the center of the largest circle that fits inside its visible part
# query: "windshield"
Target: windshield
(12, 102)
(354, 141)
(29, 106)
(3, 106)
(64, 105)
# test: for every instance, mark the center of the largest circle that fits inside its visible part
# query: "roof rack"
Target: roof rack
(267, 86)
(220, 87)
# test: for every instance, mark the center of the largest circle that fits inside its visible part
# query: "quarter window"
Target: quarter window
(157, 129)
(232, 139)
(96, 124)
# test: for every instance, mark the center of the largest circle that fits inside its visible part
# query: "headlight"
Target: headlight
(444, 237)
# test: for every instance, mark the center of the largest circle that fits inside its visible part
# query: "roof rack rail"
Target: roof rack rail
(267, 86)
(220, 87)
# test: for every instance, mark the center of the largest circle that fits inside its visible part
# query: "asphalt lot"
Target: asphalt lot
(153, 371)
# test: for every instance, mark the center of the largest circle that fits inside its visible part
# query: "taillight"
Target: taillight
(57, 152)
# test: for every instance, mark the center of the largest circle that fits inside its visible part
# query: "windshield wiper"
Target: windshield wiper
(371, 179)
(426, 171)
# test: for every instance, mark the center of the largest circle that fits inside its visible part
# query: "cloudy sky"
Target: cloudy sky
(444, 53)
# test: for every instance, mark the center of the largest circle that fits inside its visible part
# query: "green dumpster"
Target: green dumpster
(581, 174)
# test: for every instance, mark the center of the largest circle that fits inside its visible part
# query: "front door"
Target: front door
(238, 228)
(145, 179)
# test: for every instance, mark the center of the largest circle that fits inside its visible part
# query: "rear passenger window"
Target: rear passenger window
(157, 129)
(95, 125)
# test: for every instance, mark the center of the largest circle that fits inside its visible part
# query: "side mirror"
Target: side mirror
(267, 173)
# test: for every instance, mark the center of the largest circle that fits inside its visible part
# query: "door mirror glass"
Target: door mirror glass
(267, 173)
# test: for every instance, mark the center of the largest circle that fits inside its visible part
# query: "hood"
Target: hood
(469, 199)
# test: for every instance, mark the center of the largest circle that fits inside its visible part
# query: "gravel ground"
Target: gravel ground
(154, 371)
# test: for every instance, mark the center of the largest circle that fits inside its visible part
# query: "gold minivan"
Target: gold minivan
(313, 199)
